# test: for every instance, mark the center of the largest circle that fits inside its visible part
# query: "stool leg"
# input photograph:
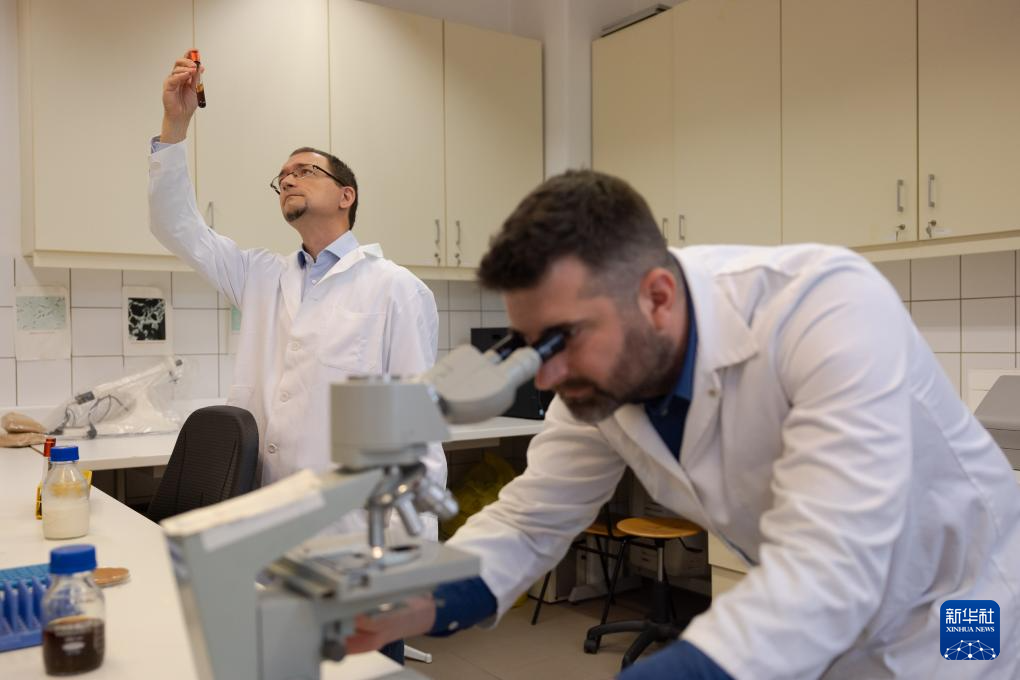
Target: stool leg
(620, 558)
(603, 553)
(660, 591)
(672, 609)
(541, 598)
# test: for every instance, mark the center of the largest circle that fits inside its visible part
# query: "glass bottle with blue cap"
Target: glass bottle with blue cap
(73, 612)
(65, 496)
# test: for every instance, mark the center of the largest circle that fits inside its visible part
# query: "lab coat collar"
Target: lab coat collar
(290, 280)
(723, 339)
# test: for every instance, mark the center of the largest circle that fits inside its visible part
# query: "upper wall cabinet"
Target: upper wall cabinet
(387, 123)
(268, 90)
(685, 107)
(443, 129)
(726, 127)
(632, 111)
(849, 121)
(969, 111)
(90, 81)
(493, 134)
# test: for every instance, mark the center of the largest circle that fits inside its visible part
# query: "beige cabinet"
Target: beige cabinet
(493, 134)
(443, 129)
(90, 104)
(387, 124)
(268, 91)
(969, 111)
(632, 111)
(849, 121)
(726, 122)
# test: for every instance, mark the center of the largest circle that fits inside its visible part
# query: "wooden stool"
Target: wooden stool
(661, 624)
(601, 530)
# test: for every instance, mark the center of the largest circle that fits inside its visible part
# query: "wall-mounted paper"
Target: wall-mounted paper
(148, 317)
(42, 328)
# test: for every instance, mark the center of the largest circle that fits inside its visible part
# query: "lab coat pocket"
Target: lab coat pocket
(240, 396)
(353, 341)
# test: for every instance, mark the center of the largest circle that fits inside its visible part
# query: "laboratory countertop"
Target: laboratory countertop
(145, 630)
(108, 453)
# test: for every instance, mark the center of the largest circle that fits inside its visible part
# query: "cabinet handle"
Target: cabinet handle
(899, 195)
(681, 227)
(437, 232)
(212, 215)
(931, 191)
(458, 233)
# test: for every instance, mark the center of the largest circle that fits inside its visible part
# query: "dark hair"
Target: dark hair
(341, 171)
(594, 217)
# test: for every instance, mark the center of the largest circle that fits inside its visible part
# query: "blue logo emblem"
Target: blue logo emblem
(970, 630)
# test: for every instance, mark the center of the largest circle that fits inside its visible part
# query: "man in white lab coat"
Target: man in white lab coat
(779, 397)
(330, 310)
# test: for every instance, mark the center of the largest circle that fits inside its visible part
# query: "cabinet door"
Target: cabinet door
(632, 111)
(727, 125)
(91, 105)
(969, 109)
(493, 134)
(849, 121)
(386, 70)
(268, 93)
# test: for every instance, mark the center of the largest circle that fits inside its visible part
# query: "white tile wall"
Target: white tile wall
(201, 330)
(190, 291)
(44, 383)
(96, 288)
(898, 274)
(937, 278)
(97, 332)
(6, 332)
(87, 372)
(6, 282)
(8, 382)
(989, 324)
(974, 298)
(988, 275)
(939, 323)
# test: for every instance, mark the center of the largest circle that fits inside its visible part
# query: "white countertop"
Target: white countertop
(107, 453)
(145, 632)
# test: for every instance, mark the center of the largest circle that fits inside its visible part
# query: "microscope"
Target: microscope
(310, 589)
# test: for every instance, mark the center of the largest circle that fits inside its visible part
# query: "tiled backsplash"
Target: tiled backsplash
(200, 330)
(966, 307)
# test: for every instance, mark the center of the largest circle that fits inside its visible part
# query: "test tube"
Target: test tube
(199, 87)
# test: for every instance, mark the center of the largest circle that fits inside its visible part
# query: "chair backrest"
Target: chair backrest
(215, 458)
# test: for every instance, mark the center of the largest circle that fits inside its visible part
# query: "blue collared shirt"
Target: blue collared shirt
(330, 255)
(668, 414)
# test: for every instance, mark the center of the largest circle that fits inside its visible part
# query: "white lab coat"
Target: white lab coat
(826, 445)
(367, 315)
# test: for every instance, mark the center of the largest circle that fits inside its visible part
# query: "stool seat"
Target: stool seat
(597, 529)
(658, 527)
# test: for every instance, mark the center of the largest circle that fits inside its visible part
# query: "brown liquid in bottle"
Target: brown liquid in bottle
(73, 644)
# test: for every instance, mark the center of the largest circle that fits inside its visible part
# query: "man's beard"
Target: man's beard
(644, 370)
(292, 214)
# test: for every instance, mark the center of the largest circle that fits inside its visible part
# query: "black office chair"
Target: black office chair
(215, 458)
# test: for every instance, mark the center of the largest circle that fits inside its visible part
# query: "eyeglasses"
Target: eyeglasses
(301, 172)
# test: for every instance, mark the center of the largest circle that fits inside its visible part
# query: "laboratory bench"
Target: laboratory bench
(145, 629)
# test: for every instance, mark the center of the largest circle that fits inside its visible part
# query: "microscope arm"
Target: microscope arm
(217, 551)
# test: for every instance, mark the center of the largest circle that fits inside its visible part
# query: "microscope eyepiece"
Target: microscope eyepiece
(549, 344)
(507, 344)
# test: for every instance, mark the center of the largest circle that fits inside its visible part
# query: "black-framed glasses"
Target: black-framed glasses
(303, 171)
